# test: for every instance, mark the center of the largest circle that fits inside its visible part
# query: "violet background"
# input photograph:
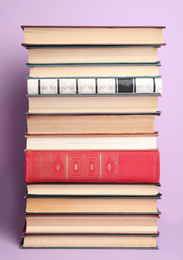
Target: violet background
(13, 107)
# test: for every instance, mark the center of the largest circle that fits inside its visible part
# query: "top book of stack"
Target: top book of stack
(90, 35)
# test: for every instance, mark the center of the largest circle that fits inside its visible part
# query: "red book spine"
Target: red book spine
(92, 166)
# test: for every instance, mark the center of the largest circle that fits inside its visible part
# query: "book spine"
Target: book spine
(92, 166)
(94, 85)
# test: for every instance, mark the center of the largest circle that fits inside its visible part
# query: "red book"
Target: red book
(92, 166)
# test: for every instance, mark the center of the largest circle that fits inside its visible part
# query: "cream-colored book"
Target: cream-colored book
(90, 241)
(93, 104)
(107, 70)
(92, 189)
(93, 35)
(92, 54)
(91, 224)
(95, 142)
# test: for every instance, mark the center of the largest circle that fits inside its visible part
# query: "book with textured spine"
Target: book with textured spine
(92, 166)
(94, 85)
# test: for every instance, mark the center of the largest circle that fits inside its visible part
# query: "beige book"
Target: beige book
(88, 241)
(91, 224)
(93, 35)
(93, 104)
(95, 70)
(96, 54)
(90, 124)
(95, 142)
(93, 189)
(91, 205)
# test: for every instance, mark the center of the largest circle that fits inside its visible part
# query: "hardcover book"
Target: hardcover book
(89, 35)
(92, 166)
(84, 189)
(91, 54)
(94, 70)
(99, 241)
(93, 224)
(91, 205)
(92, 142)
(91, 124)
(94, 85)
(133, 103)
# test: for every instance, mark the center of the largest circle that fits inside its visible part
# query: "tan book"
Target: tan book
(90, 124)
(93, 104)
(98, 70)
(75, 205)
(90, 241)
(114, 224)
(93, 35)
(92, 54)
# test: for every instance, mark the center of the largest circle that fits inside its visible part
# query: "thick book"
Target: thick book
(94, 69)
(92, 142)
(91, 54)
(92, 166)
(88, 241)
(89, 35)
(129, 103)
(91, 224)
(91, 204)
(94, 85)
(98, 189)
(90, 124)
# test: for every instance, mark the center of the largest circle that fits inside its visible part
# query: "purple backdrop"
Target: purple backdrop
(13, 107)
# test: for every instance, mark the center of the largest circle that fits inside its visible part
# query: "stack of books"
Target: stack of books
(92, 163)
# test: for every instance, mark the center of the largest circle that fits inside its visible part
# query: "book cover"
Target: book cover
(92, 166)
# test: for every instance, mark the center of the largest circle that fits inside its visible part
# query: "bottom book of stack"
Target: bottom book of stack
(91, 216)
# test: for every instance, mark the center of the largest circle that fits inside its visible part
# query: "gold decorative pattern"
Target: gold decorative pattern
(109, 167)
(67, 175)
(58, 166)
(100, 166)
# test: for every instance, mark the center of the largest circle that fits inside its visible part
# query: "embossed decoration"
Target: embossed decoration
(106, 86)
(92, 166)
(74, 166)
(48, 86)
(144, 85)
(86, 86)
(109, 166)
(58, 166)
(67, 86)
